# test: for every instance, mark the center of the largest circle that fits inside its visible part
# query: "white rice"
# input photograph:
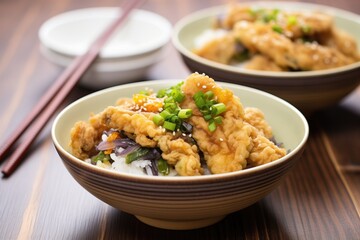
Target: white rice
(139, 167)
(135, 167)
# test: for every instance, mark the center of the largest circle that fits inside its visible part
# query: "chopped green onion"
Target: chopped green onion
(172, 115)
(101, 156)
(212, 126)
(173, 92)
(306, 29)
(209, 95)
(169, 99)
(209, 108)
(199, 99)
(175, 119)
(169, 125)
(218, 108)
(272, 16)
(163, 167)
(185, 113)
(165, 114)
(207, 117)
(170, 106)
(292, 20)
(158, 119)
(218, 119)
(137, 154)
(253, 11)
(161, 93)
(178, 96)
(277, 28)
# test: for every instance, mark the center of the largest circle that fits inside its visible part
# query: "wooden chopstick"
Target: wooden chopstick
(49, 103)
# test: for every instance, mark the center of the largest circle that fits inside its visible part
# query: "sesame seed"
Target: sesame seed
(221, 139)
(204, 86)
(190, 135)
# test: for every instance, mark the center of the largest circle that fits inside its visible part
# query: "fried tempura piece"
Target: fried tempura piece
(312, 56)
(226, 149)
(181, 154)
(220, 49)
(340, 40)
(294, 24)
(138, 125)
(256, 118)
(305, 23)
(83, 140)
(230, 145)
(259, 62)
(234, 14)
(264, 150)
(260, 38)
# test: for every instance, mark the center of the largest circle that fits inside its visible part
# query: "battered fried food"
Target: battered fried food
(228, 148)
(140, 127)
(220, 49)
(260, 62)
(279, 40)
(240, 139)
(260, 38)
(294, 24)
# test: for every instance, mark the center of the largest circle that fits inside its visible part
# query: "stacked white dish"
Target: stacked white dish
(137, 45)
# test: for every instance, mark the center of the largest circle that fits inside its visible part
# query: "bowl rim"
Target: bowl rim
(176, 179)
(109, 13)
(109, 65)
(215, 10)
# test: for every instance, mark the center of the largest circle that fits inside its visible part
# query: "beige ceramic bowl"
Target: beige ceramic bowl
(308, 91)
(182, 202)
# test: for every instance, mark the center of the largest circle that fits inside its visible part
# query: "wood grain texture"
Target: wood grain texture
(319, 199)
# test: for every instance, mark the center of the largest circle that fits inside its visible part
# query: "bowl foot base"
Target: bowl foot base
(179, 224)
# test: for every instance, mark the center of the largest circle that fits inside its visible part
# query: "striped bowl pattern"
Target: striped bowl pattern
(183, 202)
(308, 90)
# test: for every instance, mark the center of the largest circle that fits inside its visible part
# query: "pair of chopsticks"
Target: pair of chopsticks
(48, 104)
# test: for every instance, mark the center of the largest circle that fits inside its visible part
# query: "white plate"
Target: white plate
(71, 33)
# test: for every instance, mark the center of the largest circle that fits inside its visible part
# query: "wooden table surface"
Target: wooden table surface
(319, 199)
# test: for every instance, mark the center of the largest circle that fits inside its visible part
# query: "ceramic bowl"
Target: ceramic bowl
(136, 46)
(182, 202)
(308, 90)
